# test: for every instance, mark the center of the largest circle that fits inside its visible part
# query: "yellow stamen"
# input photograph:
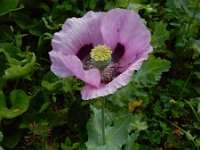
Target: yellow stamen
(101, 53)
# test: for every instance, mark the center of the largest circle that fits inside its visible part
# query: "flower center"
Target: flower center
(101, 53)
(101, 56)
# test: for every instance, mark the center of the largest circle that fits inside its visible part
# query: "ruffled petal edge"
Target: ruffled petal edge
(73, 64)
(89, 92)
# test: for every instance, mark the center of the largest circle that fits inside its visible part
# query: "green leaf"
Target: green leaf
(197, 74)
(115, 135)
(151, 71)
(138, 124)
(189, 136)
(196, 47)
(138, 6)
(68, 145)
(19, 104)
(130, 144)
(190, 7)
(11, 52)
(51, 86)
(44, 106)
(197, 141)
(160, 35)
(51, 82)
(92, 3)
(122, 3)
(65, 5)
(8, 6)
(16, 71)
(94, 129)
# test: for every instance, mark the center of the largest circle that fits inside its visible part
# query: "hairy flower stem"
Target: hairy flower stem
(103, 121)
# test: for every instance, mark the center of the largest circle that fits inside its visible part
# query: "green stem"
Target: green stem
(103, 121)
(182, 131)
(38, 90)
(194, 111)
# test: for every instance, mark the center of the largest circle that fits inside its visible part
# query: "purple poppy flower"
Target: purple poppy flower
(101, 49)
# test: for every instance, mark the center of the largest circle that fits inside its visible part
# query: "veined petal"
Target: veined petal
(77, 32)
(73, 64)
(139, 57)
(89, 92)
(58, 67)
(125, 27)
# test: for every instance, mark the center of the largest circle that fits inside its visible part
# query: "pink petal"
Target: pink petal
(139, 57)
(125, 27)
(89, 92)
(58, 67)
(74, 64)
(77, 32)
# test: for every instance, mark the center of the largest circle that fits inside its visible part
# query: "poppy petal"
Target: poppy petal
(77, 32)
(73, 64)
(126, 28)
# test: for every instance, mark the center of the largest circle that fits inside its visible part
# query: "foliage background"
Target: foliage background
(159, 109)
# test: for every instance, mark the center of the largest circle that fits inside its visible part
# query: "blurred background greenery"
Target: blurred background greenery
(159, 109)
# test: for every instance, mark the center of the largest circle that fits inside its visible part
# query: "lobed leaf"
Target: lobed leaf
(151, 71)
(131, 144)
(115, 135)
(94, 129)
(160, 35)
